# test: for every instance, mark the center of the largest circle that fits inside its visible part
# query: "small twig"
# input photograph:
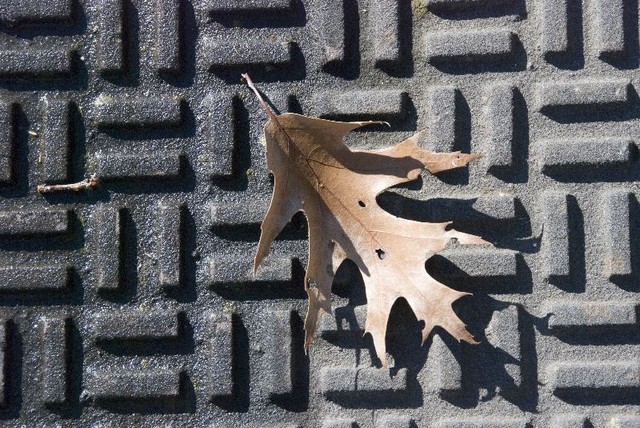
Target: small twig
(88, 183)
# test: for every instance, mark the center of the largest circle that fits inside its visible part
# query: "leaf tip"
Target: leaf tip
(471, 340)
(467, 337)
(256, 263)
(465, 158)
(308, 339)
(418, 135)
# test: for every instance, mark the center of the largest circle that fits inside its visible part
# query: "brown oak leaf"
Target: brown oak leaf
(336, 188)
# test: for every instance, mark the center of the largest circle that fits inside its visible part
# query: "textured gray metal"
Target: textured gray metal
(134, 304)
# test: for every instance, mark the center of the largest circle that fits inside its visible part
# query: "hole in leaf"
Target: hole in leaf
(381, 253)
(311, 284)
(362, 204)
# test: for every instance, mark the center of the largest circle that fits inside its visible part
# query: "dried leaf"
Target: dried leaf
(337, 188)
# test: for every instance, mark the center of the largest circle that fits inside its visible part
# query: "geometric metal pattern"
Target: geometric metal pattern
(134, 303)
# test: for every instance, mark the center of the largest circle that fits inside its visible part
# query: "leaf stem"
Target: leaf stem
(272, 115)
(263, 103)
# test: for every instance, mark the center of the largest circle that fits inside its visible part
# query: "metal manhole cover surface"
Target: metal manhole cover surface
(134, 303)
